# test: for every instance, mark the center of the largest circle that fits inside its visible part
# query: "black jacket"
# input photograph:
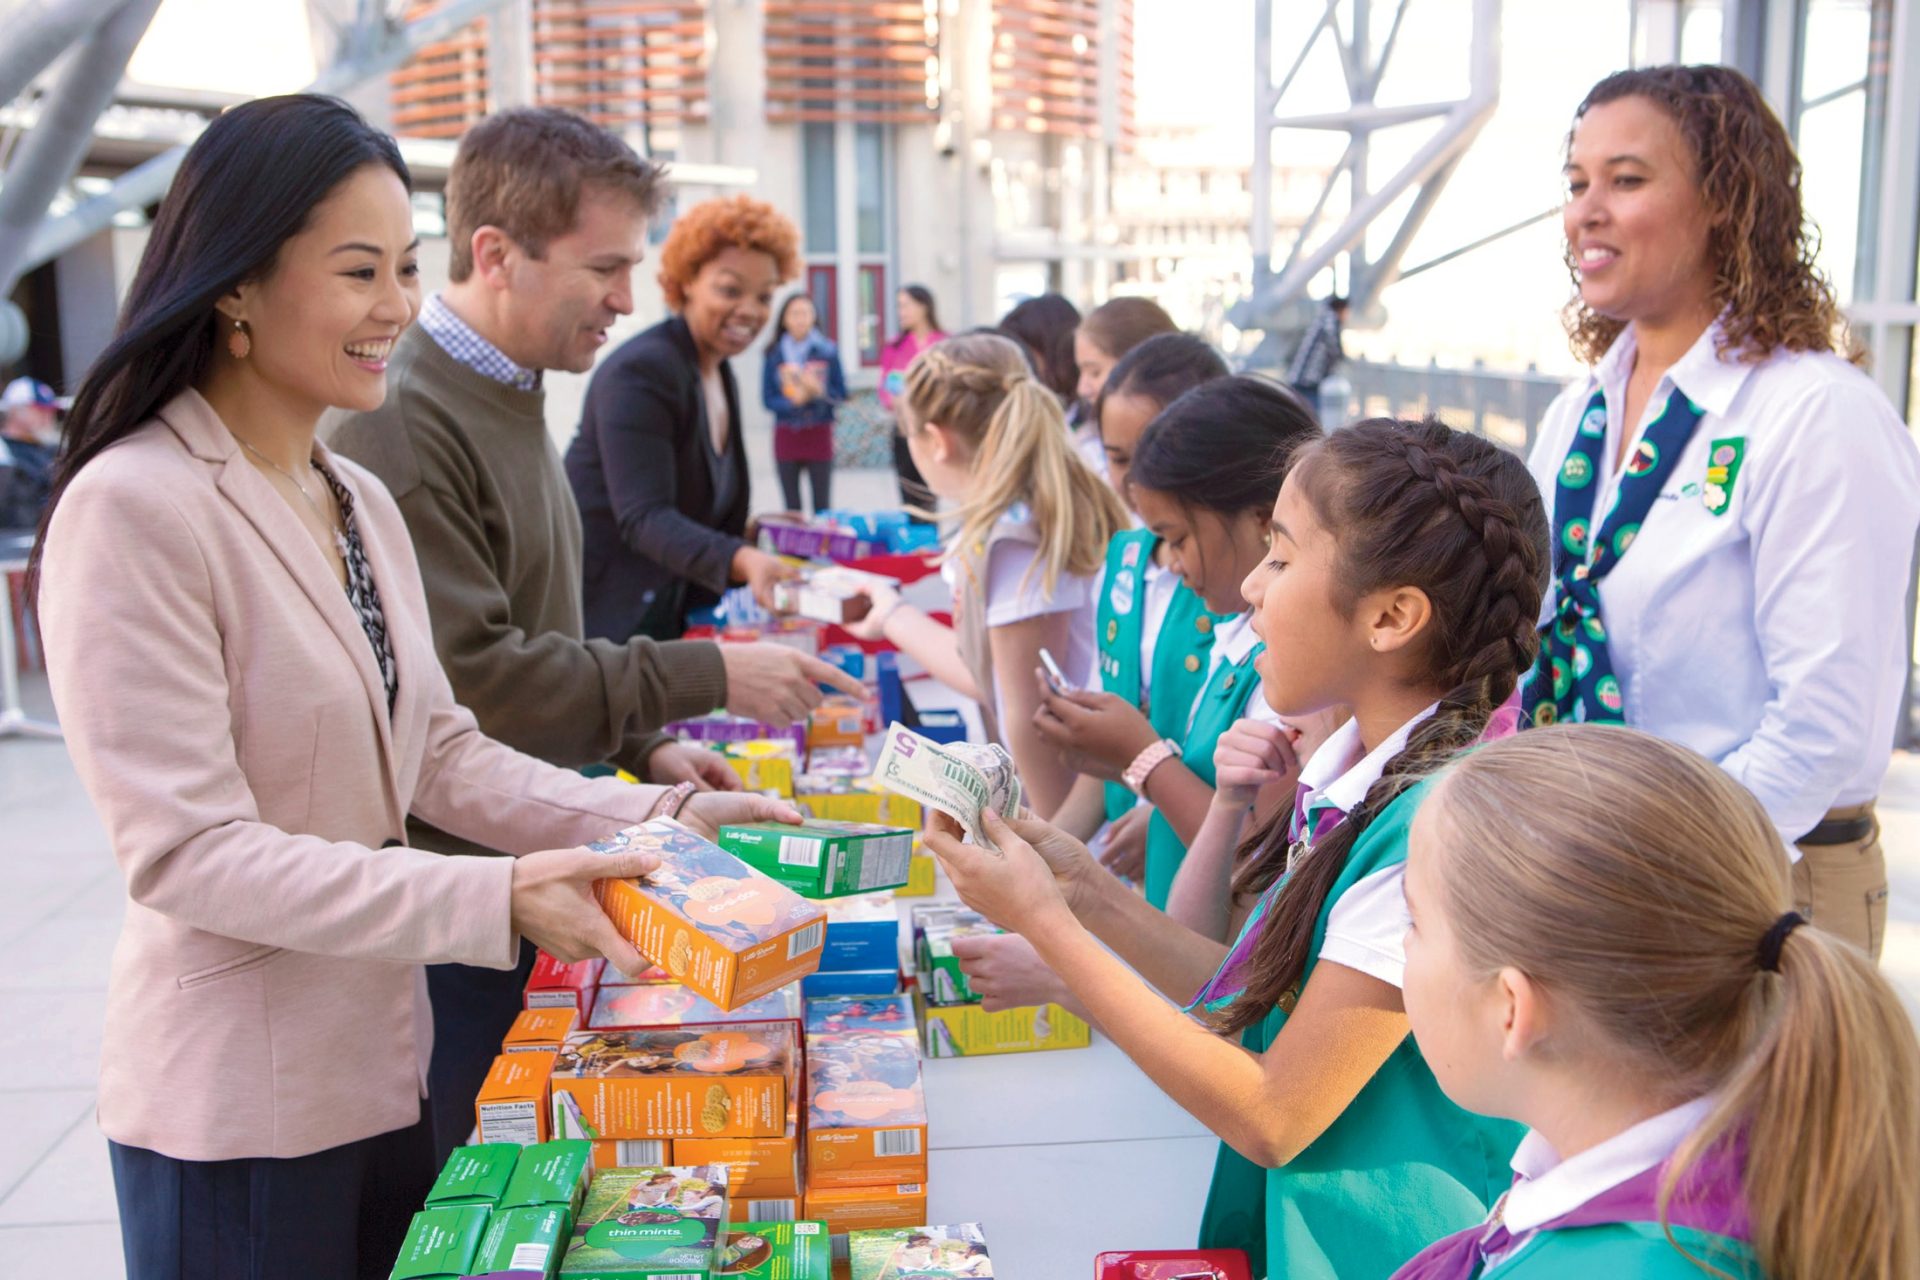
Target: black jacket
(641, 472)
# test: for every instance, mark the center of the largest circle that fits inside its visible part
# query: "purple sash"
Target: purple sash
(1708, 1200)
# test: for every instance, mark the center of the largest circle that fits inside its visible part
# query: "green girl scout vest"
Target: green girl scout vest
(1228, 690)
(1179, 652)
(1401, 1167)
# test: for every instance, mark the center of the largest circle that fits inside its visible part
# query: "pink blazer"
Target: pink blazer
(225, 712)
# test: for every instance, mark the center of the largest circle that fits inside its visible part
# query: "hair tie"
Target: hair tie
(1776, 938)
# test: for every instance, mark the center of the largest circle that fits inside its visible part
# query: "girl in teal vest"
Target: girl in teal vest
(1602, 949)
(1203, 477)
(1403, 580)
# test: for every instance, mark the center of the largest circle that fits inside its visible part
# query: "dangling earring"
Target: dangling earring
(240, 341)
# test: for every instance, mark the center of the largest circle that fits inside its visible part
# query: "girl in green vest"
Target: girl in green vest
(1602, 949)
(1203, 478)
(1403, 581)
(1141, 601)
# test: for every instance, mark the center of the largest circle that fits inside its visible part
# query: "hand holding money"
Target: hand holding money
(961, 780)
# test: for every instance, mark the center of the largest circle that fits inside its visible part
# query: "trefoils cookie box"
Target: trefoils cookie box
(714, 923)
(659, 1223)
(866, 1110)
(969, 1031)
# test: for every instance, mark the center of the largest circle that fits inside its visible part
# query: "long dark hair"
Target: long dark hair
(1045, 325)
(924, 296)
(1410, 504)
(1161, 370)
(1224, 446)
(780, 321)
(247, 186)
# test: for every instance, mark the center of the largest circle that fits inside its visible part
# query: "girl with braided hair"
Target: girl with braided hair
(1404, 574)
(1715, 1086)
(1733, 500)
(1030, 529)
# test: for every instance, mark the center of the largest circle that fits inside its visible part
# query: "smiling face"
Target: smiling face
(730, 300)
(1094, 365)
(324, 318)
(1459, 1016)
(1635, 221)
(1212, 553)
(562, 303)
(1123, 420)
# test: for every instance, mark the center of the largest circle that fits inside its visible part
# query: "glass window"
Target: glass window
(1700, 28)
(816, 158)
(823, 287)
(870, 154)
(873, 312)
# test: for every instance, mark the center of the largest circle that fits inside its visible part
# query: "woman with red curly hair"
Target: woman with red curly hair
(658, 468)
(1733, 501)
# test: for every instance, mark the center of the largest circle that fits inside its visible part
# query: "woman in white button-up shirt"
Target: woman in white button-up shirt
(1734, 502)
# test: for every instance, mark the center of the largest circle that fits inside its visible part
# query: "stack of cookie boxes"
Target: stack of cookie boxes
(866, 1132)
(953, 1022)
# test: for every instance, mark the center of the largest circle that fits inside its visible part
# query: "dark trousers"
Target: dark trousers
(913, 486)
(820, 474)
(473, 1009)
(338, 1214)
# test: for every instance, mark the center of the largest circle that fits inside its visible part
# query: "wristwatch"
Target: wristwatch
(1146, 762)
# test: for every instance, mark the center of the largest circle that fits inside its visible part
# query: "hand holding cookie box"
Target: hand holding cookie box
(714, 923)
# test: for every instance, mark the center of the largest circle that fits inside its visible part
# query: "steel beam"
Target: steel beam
(38, 31)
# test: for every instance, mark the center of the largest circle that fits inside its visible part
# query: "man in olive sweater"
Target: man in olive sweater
(547, 219)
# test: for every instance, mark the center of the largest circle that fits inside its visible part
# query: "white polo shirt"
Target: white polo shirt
(1367, 927)
(1770, 637)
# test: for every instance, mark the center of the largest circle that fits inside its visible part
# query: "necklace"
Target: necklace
(326, 517)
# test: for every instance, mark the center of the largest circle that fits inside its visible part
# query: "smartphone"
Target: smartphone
(1055, 680)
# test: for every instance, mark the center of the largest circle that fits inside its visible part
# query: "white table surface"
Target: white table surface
(1050, 1152)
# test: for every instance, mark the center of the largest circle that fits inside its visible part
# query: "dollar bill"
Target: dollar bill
(961, 780)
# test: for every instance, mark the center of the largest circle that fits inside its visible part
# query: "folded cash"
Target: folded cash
(961, 780)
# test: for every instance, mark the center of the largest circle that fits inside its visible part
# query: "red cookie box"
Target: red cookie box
(555, 984)
(1173, 1264)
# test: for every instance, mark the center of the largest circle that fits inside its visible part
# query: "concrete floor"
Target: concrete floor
(60, 912)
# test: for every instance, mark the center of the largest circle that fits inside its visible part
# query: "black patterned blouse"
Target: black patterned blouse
(361, 591)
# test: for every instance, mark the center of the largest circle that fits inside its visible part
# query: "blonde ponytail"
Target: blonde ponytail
(1826, 1102)
(980, 388)
(1636, 881)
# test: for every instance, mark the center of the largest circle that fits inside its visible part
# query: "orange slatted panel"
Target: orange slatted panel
(646, 56)
(442, 90)
(830, 60)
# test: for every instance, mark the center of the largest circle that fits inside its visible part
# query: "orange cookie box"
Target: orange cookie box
(719, 1082)
(712, 922)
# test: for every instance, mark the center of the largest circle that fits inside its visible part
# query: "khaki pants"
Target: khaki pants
(1842, 888)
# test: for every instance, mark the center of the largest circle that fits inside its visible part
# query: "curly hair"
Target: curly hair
(703, 232)
(1762, 246)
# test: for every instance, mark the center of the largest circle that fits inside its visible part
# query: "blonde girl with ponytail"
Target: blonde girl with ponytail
(1602, 949)
(1030, 524)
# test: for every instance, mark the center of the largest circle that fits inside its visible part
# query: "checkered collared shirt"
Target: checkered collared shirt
(459, 340)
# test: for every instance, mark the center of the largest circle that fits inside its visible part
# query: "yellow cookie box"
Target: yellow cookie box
(968, 1030)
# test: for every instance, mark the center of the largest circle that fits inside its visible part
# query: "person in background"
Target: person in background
(547, 217)
(29, 442)
(919, 329)
(238, 643)
(659, 467)
(1601, 948)
(801, 382)
(1319, 351)
(1109, 331)
(1045, 327)
(1032, 525)
(1733, 500)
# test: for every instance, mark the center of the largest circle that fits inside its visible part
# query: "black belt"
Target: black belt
(1841, 831)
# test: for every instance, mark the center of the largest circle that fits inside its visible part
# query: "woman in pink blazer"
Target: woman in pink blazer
(239, 649)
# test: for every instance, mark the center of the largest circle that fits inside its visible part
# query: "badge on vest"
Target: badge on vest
(1723, 471)
(1120, 594)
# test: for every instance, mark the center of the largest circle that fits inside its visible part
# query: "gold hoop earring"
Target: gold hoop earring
(240, 341)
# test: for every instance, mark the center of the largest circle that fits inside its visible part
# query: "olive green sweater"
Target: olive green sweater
(495, 528)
